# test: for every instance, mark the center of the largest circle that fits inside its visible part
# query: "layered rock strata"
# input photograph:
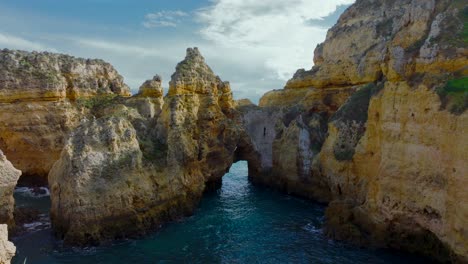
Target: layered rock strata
(136, 168)
(393, 161)
(377, 128)
(43, 96)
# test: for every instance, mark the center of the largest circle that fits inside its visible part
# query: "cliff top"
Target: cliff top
(33, 72)
(192, 68)
(151, 88)
(395, 40)
(193, 75)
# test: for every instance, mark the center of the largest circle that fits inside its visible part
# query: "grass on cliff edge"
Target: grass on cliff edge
(454, 95)
(96, 102)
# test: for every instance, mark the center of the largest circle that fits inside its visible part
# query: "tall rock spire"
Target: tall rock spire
(193, 75)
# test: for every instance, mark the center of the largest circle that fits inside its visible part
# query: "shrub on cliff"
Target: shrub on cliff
(97, 102)
(454, 95)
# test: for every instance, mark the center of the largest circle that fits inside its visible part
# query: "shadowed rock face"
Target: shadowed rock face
(141, 168)
(42, 98)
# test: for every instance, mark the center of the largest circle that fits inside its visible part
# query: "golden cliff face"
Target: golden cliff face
(410, 164)
(393, 163)
(43, 96)
(145, 160)
(395, 39)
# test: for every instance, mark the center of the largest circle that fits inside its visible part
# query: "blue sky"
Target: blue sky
(256, 45)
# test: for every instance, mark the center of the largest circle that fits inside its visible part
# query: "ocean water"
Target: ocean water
(240, 223)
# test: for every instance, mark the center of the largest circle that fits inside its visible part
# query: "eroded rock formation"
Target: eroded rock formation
(136, 167)
(377, 128)
(7, 249)
(43, 96)
(8, 179)
(393, 158)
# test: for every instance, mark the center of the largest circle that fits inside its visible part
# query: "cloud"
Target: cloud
(14, 42)
(256, 45)
(279, 31)
(117, 47)
(163, 19)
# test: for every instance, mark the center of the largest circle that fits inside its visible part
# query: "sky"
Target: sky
(255, 45)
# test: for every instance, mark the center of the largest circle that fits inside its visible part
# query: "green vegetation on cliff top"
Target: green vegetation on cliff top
(94, 103)
(454, 95)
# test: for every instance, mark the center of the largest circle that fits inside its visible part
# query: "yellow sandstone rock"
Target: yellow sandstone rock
(41, 101)
(7, 249)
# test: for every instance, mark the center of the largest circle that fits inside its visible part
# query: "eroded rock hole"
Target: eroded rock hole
(32, 205)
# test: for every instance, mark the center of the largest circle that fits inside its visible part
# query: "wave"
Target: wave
(33, 192)
(41, 224)
(310, 227)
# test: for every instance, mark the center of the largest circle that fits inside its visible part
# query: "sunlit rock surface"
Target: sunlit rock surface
(7, 249)
(9, 176)
(392, 156)
(137, 169)
(43, 96)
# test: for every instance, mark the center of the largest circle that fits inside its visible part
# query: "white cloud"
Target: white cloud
(14, 42)
(256, 45)
(117, 47)
(163, 19)
(278, 30)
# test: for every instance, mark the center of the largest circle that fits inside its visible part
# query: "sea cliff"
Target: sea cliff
(376, 129)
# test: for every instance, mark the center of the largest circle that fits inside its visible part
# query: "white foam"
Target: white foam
(36, 226)
(33, 192)
(312, 228)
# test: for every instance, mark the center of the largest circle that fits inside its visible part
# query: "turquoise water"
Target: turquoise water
(240, 223)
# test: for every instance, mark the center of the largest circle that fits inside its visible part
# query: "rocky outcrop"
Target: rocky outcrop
(7, 249)
(392, 158)
(280, 144)
(151, 88)
(8, 179)
(133, 169)
(404, 186)
(391, 39)
(377, 128)
(43, 96)
(318, 100)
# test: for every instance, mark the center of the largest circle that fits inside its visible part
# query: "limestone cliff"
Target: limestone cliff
(43, 96)
(145, 161)
(8, 179)
(7, 249)
(377, 128)
(393, 161)
(392, 39)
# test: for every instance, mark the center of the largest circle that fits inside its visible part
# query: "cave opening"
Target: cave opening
(32, 208)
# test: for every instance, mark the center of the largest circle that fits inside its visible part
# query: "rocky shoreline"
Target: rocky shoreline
(376, 129)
